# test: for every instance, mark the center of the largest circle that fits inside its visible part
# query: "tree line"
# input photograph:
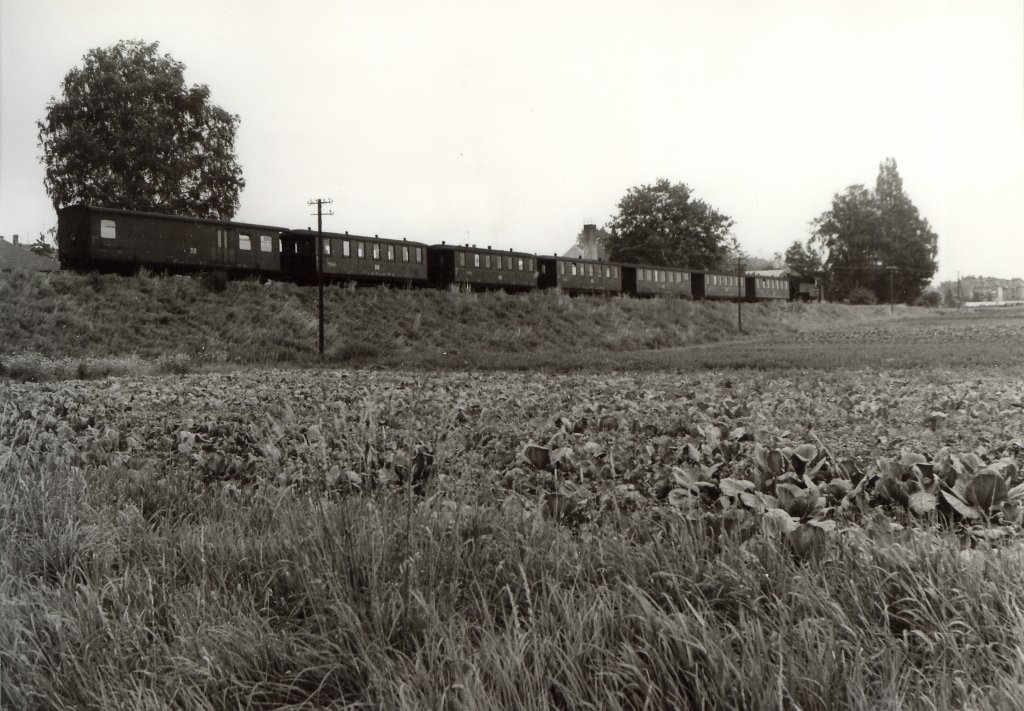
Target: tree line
(128, 132)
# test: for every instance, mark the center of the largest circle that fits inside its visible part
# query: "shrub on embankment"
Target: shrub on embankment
(103, 324)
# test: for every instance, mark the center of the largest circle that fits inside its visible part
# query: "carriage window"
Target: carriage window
(462, 259)
(419, 255)
(561, 267)
(360, 250)
(244, 243)
(266, 243)
(376, 252)
(108, 229)
(476, 259)
(519, 265)
(572, 268)
(405, 253)
(487, 261)
(346, 248)
(327, 247)
(508, 263)
(391, 252)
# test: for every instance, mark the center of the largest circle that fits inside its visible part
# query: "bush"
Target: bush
(862, 296)
(215, 282)
(929, 299)
(355, 351)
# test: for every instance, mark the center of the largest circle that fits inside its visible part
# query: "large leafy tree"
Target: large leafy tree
(803, 259)
(663, 224)
(877, 238)
(128, 132)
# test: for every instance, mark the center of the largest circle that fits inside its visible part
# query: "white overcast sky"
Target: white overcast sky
(511, 124)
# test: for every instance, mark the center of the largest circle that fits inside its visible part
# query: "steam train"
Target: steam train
(113, 240)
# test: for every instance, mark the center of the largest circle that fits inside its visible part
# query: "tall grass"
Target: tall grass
(193, 326)
(125, 589)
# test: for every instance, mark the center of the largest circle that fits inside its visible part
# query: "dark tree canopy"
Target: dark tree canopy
(662, 224)
(874, 236)
(803, 259)
(129, 133)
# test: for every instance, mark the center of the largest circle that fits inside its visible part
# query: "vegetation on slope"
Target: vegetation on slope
(114, 324)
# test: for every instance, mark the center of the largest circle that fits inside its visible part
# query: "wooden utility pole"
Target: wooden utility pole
(739, 294)
(320, 202)
(892, 307)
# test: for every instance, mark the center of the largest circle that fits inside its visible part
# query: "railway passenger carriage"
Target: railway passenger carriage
(717, 285)
(108, 239)
(481, 268)
(580, 276)
(663, 281)
(353, 258)
(761, 288)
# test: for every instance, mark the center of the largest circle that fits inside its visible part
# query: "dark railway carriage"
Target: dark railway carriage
(720, 286)
(108, 239)
(579, 276)
(663, 281)
(481, 268)
(353, 258)
(764, 288)
(801, 290)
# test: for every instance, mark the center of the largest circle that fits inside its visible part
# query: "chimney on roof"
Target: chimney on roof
(15, 239)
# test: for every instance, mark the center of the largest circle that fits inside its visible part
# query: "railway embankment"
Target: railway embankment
(80, 325)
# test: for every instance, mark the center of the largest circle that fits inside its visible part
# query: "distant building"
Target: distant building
(588, 245)
(14, 255)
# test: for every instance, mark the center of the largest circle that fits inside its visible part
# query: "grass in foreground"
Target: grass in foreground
(120, 592)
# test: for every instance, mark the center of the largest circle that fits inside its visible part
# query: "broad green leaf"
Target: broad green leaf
(734, 487)
(922, 502)
(961, 506)
(986, 491)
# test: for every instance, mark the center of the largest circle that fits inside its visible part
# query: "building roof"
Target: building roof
(771, 273)
(16, 256)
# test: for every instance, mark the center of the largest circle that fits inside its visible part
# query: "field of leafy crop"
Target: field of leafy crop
(732, 539)
(813, 446)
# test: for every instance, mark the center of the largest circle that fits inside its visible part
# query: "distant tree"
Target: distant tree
(949, 298)
(735, 256)
(866, 233)
(129, 133)
(907, 240)
(662, 224)
(803, 259)
(861, 295)
(42, 246)
(930, 298)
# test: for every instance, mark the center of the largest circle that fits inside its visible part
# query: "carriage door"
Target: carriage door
(547, 274)
(219, 252)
